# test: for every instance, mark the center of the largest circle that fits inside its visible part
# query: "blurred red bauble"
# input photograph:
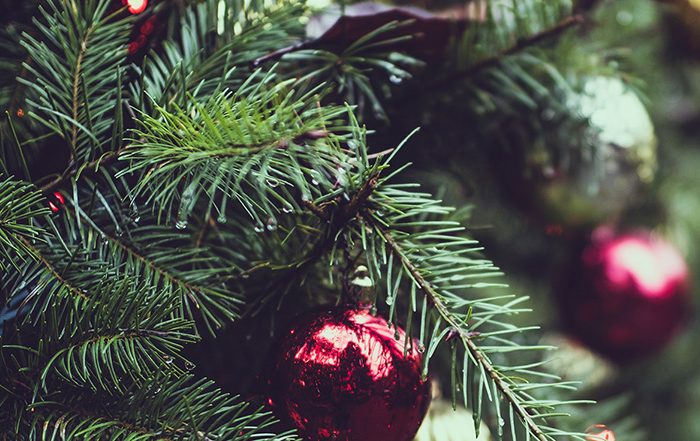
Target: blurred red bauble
(628, 296)
(341, 374)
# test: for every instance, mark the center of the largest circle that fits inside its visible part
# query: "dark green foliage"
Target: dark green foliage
(75, 72)
(233, 190)
(19, 204)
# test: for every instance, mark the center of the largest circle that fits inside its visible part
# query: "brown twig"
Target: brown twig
(77, 77)
(90, 167)
(352, 208)
(77, 292)
(276, 55)
(336, 221)
(209, 222)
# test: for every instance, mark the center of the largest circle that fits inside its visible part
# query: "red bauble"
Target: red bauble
(341, 374)
(628, 296)
(56, 201)
(136, 6)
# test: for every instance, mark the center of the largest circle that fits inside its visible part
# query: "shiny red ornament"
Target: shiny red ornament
(56, 201)
(341, 374)
(136, 6)
(144, 35)
(628, 296)
(59, 197)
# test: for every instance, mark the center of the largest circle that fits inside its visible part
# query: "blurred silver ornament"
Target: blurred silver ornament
(592, 173)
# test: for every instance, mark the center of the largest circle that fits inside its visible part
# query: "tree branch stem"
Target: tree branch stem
(105, 159)
(435, 298)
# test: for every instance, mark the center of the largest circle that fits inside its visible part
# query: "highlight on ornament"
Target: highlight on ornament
(136, 6)
(56, 201)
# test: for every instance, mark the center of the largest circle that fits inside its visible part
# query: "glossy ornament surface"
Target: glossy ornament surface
(341, 374)
(628, 296)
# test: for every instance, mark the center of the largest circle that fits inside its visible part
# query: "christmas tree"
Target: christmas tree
(279, 220)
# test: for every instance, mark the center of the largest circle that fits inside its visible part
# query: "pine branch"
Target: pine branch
(355, 73)
(74, 77)
(167, 408)
(77, 76)
(116, 328)
(456, 326)
(20, 203)
(200, 291)
(204, 62)
(90, 361)
(254, 147)
(54, 272)
(519, 46)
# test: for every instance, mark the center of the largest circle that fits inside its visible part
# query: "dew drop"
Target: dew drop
(189, 365)
(134, 215)
(287, 209)
(168, 359)
(421, 348)
(314, 177)
(119, 232)
(222, 218)
(395, 79)
(259, 228)
(272, 182)
(186, 203)
(271, 224)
